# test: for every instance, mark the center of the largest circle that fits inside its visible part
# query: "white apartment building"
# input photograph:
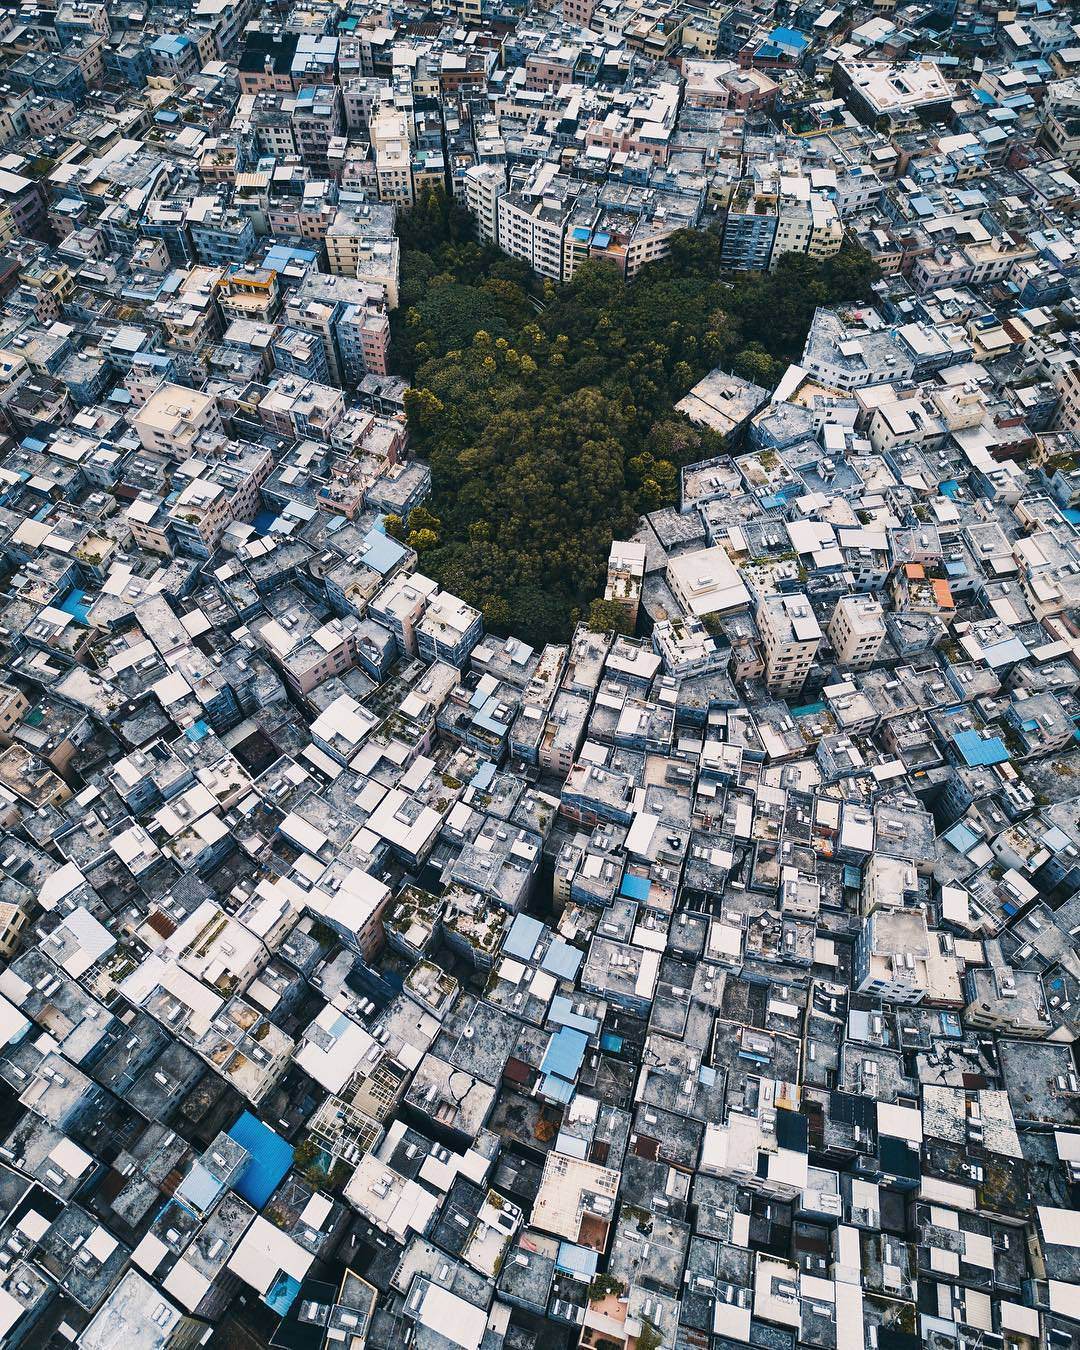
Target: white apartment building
(484, 185)
(533, 229)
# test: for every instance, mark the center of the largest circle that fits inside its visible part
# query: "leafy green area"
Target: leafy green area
(547, 412)
(603, 1285)
(609, 616)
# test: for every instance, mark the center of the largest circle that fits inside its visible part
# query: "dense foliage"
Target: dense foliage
(547, 413)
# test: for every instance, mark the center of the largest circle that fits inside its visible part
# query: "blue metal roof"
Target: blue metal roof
(1056, 839)
(280, 255)
(1004, 653)
(556, 1089)
(562, 1014)
(561, 959)
(271, 1158)
(524, 934)
(74, 603)
(634, 887)
(577, 1260)
(978, 750)
(199, 1188)
(483, 775)
(282, 1293)
(962, 837)
(564, 1054)
(788, 37)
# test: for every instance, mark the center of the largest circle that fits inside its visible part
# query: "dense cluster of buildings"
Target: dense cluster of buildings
(368, 980)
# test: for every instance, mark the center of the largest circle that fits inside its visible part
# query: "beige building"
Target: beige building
(790, 635)
(393, 156)
(172, 419)
(200, 516)
(856, 631)
(13, 921)
(13, 708)
(576, 1200)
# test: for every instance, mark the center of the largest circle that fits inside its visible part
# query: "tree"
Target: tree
(394, 527)
(420, 518)
(754, 363)
(422, 540)
(609, 616)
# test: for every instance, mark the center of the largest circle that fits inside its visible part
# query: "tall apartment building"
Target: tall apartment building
(317, 120)
(806, 222)
(891, 956)
(856, 631)
(393, 155)
(532, 220)
(484, 185)
(346, 314)
(360, 242)
(532, 229)
(749, 230)
(790, 635)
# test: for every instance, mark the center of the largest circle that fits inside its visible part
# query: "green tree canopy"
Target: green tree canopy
(547, 413)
